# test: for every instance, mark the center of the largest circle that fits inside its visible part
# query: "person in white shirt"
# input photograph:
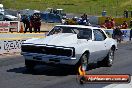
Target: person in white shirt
(19, 16)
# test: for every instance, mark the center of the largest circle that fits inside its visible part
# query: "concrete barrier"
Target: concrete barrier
(11, 42)
(10, 46)
(126, 33)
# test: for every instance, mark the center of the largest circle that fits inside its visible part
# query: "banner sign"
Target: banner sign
(4, 26)
(9, 26)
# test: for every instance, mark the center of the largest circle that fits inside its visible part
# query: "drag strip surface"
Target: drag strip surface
(13, 73)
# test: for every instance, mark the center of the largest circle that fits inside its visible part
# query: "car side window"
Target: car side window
(85, 33)
(99, 35)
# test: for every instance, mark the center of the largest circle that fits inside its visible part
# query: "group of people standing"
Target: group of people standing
(110, 23)
(32, 22)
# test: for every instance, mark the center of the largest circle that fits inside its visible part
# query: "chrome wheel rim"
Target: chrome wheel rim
(84, 62)
(111, 57)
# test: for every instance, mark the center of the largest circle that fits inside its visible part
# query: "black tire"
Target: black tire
(82, 62)
(30, 64)
(82, 80)
(108, 60)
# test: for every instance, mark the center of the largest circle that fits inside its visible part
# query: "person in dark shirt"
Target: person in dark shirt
(124, 25)
(130, 24)
(27, 22)
(130, 35)
(117, 34)
(37, 23)
(31, 22)
(24, 20)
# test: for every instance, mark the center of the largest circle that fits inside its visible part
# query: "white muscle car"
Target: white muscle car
(70, 45)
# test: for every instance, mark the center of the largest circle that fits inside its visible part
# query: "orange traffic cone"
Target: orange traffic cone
(21, 28)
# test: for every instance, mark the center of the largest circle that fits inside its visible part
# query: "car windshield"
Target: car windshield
(84, 32)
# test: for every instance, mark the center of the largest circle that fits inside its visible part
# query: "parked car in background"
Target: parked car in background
(52, 15)
(7, 17)
(70, 45)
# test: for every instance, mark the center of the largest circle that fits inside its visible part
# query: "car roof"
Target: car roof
(79, 26)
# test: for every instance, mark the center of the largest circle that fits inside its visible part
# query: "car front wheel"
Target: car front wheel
(84, 61)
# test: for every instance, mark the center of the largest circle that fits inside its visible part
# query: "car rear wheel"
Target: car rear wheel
(29, 64)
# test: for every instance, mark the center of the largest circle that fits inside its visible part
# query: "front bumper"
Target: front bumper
(48, 59)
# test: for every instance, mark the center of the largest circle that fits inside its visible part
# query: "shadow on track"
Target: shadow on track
(49, 71)
(44, 70)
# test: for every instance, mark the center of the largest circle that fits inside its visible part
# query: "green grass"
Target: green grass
(91, 7)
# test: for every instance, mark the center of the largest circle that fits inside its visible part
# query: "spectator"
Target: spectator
(37, 22)
(108, 24)
(31, 22)
(107, 19)
(19, 16)
(27, 22)
(124, 25)
(63, 20)
(131, 24)
(130, 34)
(117, 34)
(80, 22)
(84, 20)
(84, 16)
(112, 23)
(24, 20)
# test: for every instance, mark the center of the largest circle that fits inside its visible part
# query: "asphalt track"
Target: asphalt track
(13, 73)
